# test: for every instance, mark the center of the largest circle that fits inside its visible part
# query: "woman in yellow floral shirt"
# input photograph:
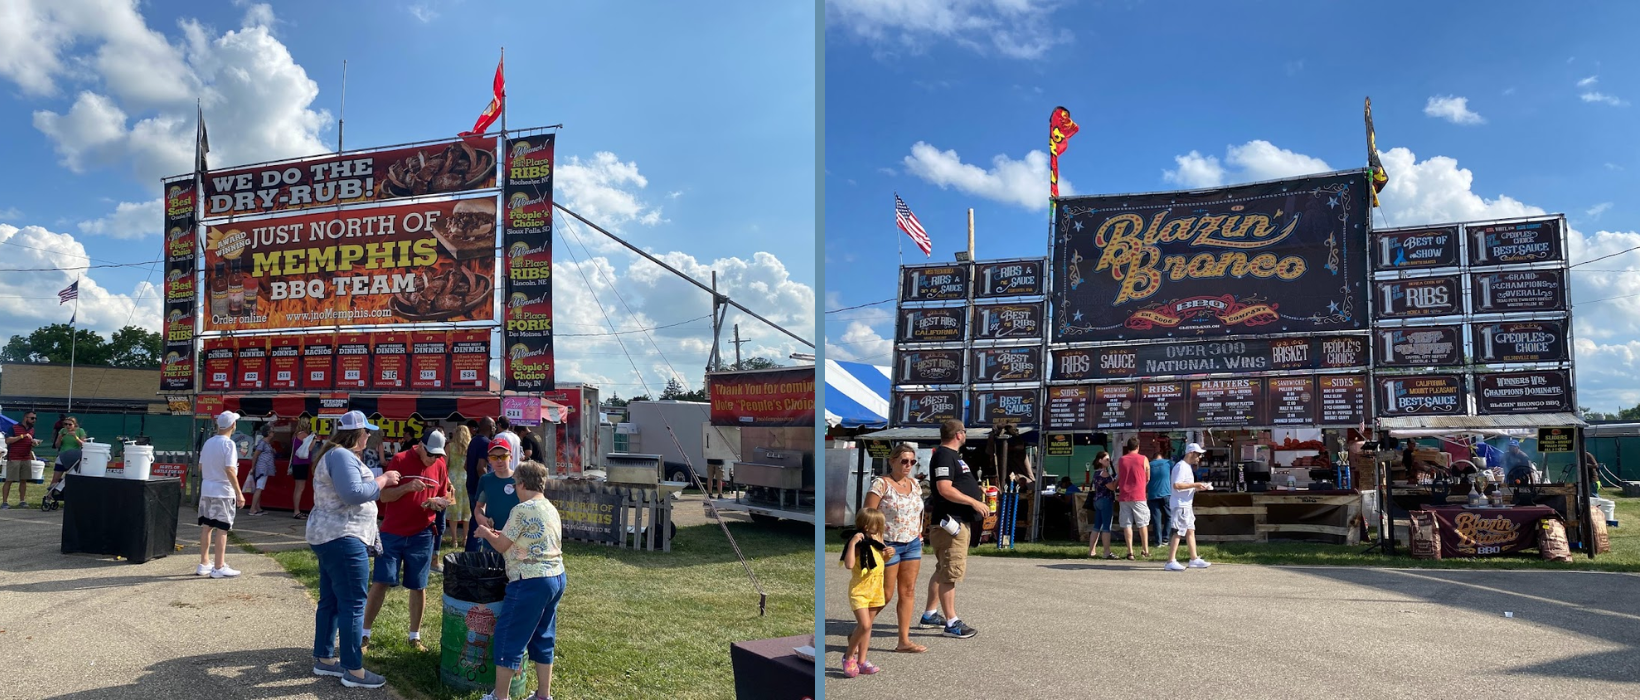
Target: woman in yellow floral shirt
(530, 544)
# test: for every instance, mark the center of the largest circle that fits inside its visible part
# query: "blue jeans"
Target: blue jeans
(1161, 515)
(529, 619)
(344, 573)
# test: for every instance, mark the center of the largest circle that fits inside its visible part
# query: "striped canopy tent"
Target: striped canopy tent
(856, 395)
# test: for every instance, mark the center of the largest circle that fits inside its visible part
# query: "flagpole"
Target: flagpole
(73, 343)
(898, 240)
(503, 98)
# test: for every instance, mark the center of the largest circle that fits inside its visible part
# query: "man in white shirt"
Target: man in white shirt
(220, 496)
(1185, 487)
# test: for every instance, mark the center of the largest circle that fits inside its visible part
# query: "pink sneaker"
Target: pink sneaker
(851, 668)
(868, 668)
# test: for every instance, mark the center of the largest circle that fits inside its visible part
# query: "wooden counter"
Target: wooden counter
(1320, 516)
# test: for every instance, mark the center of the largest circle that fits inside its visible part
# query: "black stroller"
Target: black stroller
(55, 495)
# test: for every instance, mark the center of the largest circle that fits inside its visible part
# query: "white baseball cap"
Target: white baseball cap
(353, 420)
(433, 443)
(226, 419)
(1194, 448)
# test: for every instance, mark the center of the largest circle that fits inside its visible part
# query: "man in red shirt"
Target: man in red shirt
(1132, 475)
(407, 535)
(20, 446)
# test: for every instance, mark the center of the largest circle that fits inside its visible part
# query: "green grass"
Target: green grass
(1625, 554)
(632, 624)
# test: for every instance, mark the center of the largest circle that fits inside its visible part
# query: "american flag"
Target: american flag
(69, 294)
(911, 226)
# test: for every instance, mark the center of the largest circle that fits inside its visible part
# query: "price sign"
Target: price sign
(1060, 445)
(1556, 439)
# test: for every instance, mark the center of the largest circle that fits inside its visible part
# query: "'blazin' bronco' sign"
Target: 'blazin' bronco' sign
(1276, 257)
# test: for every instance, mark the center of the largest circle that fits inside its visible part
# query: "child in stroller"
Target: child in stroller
(68, 462)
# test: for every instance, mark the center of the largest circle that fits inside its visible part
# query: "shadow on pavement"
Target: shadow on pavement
(264, 673)
(90, 583)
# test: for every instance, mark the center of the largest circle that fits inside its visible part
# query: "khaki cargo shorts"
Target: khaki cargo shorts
(950, 552)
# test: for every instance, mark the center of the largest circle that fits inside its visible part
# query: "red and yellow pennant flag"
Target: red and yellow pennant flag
(497, 103)
(1060, 131)
(1380, 177)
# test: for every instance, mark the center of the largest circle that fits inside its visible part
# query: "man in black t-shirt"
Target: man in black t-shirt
(956, 495)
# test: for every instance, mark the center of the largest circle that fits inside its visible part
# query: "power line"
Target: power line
(1603, 257)
(635, 330)
(860, 306)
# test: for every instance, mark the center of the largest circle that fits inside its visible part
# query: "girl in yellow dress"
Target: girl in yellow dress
(864, 555)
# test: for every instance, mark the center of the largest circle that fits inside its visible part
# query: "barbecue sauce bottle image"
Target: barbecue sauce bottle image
(236, 290)
(219, 291)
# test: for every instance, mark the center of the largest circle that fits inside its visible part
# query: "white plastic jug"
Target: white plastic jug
(139, 459)
(37, 472)
(94, 459)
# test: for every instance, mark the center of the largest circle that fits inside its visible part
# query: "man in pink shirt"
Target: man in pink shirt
(1132, 475)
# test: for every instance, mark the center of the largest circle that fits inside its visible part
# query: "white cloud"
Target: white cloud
(256, 14)
(1588, 81)
(1251, 162)
(10, 214)
(1452, 109)
(129, 220)
(423, 13)
(1613, 166)
(1604, 98)
(30, 297)
(1021, 29)
(1595, 211)
(1436, 190)
(861, 343)
(1508, 91)
(1021, 182)
(605, 190)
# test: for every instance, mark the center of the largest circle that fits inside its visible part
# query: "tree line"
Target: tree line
(130, 347)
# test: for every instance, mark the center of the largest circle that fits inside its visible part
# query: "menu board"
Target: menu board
(1419, 297)
(1514, 243)
(1226, 403)
(1422, 395)
(924, 408)
(390, 361)
(939, 283)
(1402, 249)
(1007, 322)
(1343, 398)
(1070, 407)
(219, 360)
(1419, 346)
(470, 359)
(1521, 341)
(352, 361)
(1525, 290)
(1162, 405)
(1016, 278)
(928, 366)
(1523, 392)
(318, 362)
(941, 325)
(252, 374)
(429, 360)
(989, 406)
(1290, 401)
(1007, 364)
(1116, 407)
(285, 362)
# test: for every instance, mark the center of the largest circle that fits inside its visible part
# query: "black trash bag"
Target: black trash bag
(475, 577)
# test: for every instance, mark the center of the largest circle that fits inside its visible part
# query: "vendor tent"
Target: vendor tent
(856, 395)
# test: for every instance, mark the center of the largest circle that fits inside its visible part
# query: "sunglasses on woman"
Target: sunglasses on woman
(911, 462)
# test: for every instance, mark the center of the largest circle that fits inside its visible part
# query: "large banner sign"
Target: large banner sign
(1419, 346)
(941, 325)
(928, 367)
(1514, 243)
(1523, 392)
(1521, 341)
(411, 263)
(924, 408)
(1419, 297)
(1422, 395)
(1525, 290)
(352, 178)
(1008, 322)
(527, 363)
(1017, 278)
(181, 254)
(1277, 257)
(763, 399)
(991, 406)
(1403, 249)
(383, 361)
(1210, 357)
(1007, 364)
(942, 283)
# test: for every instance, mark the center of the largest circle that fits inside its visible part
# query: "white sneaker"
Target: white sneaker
(1198, 563)
(1174, 565)
(224, 572)
(203, 570)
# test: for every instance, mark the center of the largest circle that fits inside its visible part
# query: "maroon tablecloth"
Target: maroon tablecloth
(1482, 532)
(767, 668)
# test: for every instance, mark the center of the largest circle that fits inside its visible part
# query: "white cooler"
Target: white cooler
(37, 472)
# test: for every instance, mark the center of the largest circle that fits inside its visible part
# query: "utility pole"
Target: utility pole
(738, 341)
(712, 361)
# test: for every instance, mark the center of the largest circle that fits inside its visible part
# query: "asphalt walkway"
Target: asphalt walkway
(1059, 629)
(92, 628)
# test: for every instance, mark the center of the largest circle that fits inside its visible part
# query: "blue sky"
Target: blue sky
(1521, 108)
(690, 131)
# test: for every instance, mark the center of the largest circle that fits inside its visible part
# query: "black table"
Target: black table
(769, 669)
(133, 519)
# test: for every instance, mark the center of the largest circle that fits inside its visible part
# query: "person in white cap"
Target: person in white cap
(408, 538)
(1185, 487)
(341, 530)
(220, 497)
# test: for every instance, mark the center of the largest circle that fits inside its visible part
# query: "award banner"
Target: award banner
(1017, 278)
(1523, 392)
(1419, 297)
(991, 406)
(1287, 256)
(1525, 290)
(928, 366)
(939, 325)
(181, 285)
(1407, 249)
(527, 362)
(1419, 346)
(1422, 395)
(924, 409)
(1514, 243)
(937, 283)
(1521, 341)
(1008, 322)
(1007, 364)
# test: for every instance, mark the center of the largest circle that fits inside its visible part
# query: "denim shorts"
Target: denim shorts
(905, 551)
(416, 554)
(1103, 508)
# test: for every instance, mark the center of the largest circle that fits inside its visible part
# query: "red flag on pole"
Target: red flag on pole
(492, 112)
(1060, 131)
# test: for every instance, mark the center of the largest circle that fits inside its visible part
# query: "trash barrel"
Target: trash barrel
(474, 584)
